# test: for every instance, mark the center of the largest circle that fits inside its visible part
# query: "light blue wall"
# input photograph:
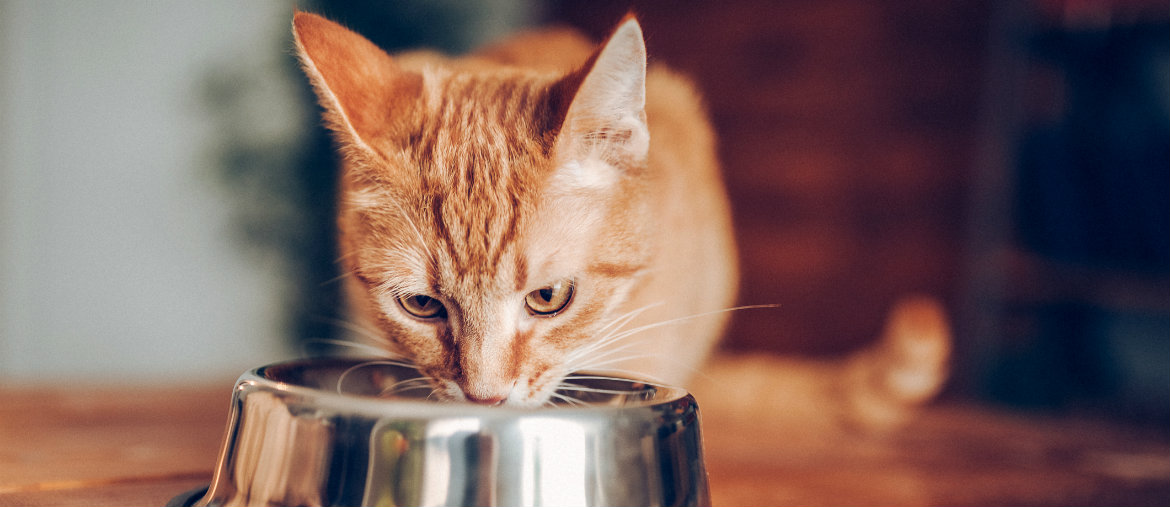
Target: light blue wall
(117, 261)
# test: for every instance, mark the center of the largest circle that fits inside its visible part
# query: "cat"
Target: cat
(539, 207)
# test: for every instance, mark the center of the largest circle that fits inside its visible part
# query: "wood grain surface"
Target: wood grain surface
(74, 445)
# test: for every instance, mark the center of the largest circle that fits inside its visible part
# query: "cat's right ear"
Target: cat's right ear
(364, 92)
(606, 119)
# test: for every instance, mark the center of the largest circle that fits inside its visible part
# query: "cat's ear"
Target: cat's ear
(606, 119)
(364, 92)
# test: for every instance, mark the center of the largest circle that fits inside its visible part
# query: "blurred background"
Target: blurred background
(166, 190)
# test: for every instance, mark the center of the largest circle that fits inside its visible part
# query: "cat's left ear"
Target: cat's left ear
(606, 119)
(363, 90)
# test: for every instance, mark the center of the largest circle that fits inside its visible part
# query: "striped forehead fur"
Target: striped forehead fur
(482, 147)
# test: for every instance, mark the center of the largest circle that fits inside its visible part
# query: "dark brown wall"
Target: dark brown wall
(847, 130)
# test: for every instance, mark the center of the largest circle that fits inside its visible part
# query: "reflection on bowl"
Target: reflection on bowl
(320, 432)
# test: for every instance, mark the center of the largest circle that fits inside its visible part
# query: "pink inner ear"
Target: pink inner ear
(606, 118)
(355, 80)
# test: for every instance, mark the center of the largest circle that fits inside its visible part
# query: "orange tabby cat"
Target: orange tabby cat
(538, 208)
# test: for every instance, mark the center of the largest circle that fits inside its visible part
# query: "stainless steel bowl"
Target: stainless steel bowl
(319, 432)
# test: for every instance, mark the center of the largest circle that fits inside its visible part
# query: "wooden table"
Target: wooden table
(79, 445)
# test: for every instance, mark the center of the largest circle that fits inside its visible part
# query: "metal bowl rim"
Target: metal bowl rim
(416, 409)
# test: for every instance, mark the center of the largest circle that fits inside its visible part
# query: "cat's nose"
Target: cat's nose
(490, 400)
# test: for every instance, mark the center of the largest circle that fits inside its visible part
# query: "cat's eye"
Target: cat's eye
(423, 307)
(548, 301)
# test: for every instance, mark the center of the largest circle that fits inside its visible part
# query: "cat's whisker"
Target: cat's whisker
(418, 235)
(403, 390)
(618, 379)
(605, 366)
(571, 387)
(421, 378)
(602, 360)
(584, 352)
(680, 320)
(380, 347)
(357, 329)
(617, 334)
(637, 376)
(601, 346)
(340, 258)
(377, 362)
(569, 400)
(603, 342)
(395, 362)
(625, 318)
(619, 322)
(341, 378)
(406, 385)
(613, 338)
(604, 353)
(601, 350)
(597, 357)
(618, 359)
(410, 383)
(338, 278)
(371, 350)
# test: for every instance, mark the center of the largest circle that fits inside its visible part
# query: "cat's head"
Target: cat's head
(491, 221)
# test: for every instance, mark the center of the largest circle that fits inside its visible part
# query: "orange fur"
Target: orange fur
(476, 182)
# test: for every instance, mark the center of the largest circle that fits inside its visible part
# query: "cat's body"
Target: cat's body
(528, 211)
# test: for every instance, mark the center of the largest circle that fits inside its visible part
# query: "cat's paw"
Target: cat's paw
(906, 368)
